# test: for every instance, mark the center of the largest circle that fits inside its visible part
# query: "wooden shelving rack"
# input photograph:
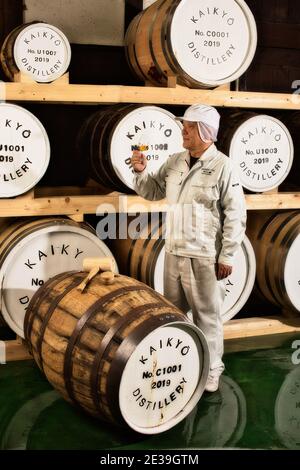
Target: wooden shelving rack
(62, 203)
(108, 94)
(61, 92)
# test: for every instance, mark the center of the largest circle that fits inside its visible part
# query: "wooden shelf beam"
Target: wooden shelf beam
(260, 326)
(246, 330)
(115, 202)
(273, 201)
(108, 94)
(13, 350)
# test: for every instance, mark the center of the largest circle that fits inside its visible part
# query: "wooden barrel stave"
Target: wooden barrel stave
(141, 49)
(8, 62)
(105, 134)
(269, 244)
(157, 70)
(130, 48)
(276, 282)
(148, 259)
(83, 146)
(272, 242)
(36, 323)
(144, 44)
(94, 141)
(98, 168)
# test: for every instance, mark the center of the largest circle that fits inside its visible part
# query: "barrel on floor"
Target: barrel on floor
(120, 352)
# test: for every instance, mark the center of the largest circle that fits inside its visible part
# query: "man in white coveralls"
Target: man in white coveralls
(206, 224)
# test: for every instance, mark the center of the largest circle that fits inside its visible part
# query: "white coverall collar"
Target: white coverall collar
(209, 153)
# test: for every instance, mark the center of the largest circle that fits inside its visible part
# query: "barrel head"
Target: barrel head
(42, 52)
(263, 150)
(24, 150)
(205, 40)
(164, 378)
(151, 127)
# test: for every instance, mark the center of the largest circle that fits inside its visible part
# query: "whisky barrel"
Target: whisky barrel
(261, 146)
(108, 136)
(120, 352)
(36, 49)
(24, 150)
(143, 258)
(199, 43)
(276, 242)
(34, 250)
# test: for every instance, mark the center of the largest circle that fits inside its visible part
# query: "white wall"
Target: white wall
(82, 21)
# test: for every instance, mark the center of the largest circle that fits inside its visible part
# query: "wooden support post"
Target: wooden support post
(225, 87)
(14, 350)
(272, 191)
(77, 217)
(149, 83)
(63, 80)
(30, 195)
(21, 77)
(172, 81)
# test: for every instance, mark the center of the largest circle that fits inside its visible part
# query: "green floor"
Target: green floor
(257, 406)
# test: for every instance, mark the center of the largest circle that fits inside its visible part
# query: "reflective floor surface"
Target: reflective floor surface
(257, 407)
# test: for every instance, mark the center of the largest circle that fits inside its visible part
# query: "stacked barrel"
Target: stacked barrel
(42, 53)
(199, 44)
(34, 250)
(262, 147)
(38, 50)
(24, 150)
(108, 136)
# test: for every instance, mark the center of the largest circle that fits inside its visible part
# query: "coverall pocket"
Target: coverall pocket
(207, 195)
(173, 185)
(206, 216)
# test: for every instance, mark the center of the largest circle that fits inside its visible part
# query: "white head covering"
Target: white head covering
(207, 118)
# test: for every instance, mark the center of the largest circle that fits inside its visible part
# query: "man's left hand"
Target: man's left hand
(223, 271)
